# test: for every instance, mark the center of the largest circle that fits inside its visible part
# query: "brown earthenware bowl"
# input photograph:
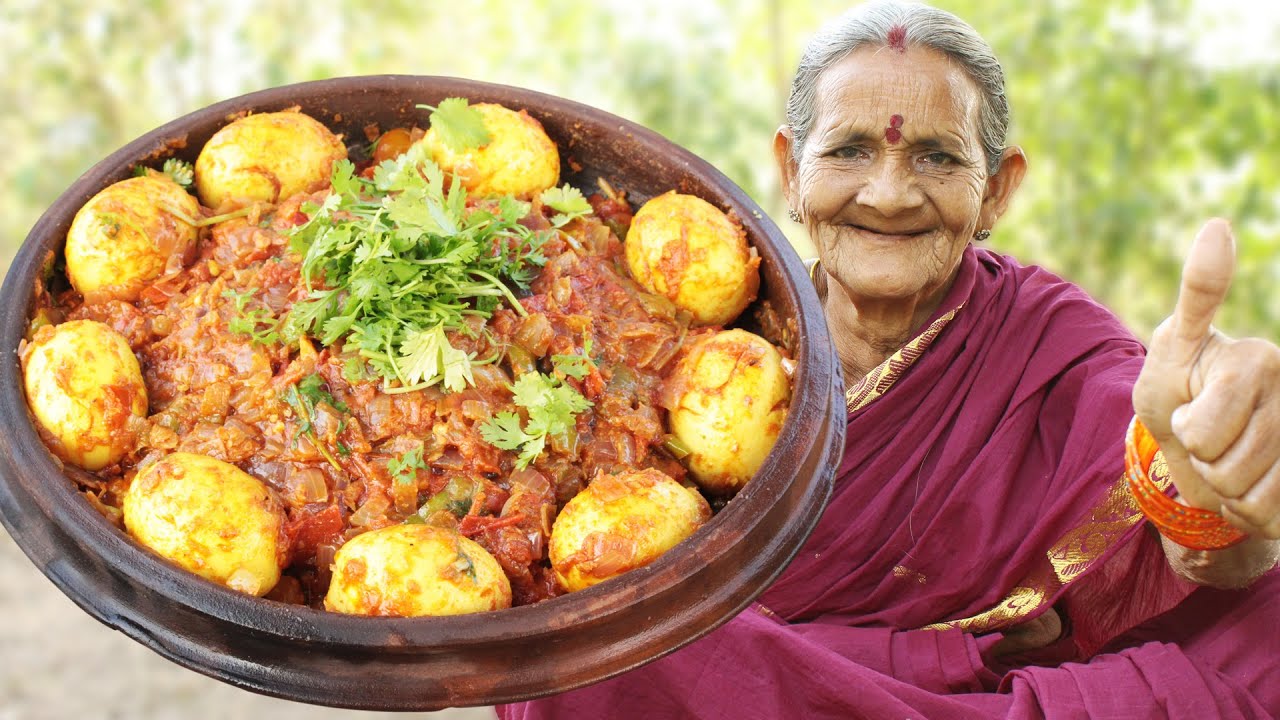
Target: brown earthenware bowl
(428, 663)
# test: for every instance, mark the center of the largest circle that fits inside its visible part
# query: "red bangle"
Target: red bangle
(1192, 528)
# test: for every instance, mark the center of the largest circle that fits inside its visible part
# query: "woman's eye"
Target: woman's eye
(938, 159)
(851, 152)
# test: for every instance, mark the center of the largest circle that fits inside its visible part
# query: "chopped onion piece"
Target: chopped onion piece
(373, 509)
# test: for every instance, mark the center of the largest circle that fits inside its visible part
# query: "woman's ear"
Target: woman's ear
(1002, 185)
(786, 164)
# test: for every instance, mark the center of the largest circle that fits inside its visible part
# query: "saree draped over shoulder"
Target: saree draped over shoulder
(980, 486)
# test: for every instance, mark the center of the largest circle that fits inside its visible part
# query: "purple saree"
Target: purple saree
(981, 485)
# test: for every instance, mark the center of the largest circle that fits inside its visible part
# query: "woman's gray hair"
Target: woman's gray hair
(874, 24)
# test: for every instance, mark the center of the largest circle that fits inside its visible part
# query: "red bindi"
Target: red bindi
(898, 38)
(892, 134)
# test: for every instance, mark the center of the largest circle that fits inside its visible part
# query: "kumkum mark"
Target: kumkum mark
(898, 38)
(892, 133)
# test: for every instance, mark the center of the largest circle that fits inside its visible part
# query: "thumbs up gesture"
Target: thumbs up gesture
(1213, 403)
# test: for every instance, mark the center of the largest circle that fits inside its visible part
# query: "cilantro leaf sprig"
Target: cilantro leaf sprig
(179, 171)
(576, 366)
(552, 408)
(460, 126)
(303, 398)
(568, 203)
(404, 467)
(182, 172)
(393, 263)
(259, 324)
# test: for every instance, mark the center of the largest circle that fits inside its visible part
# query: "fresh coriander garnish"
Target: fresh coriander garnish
(259, 324)
(568, 203)
(393, 263)
(575, 366)
(303, 398)
(181, 171)
(551, 407)
(313, 390)
(460, 126)
(404, 468)
(353, 369)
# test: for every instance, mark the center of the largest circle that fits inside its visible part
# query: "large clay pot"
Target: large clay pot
(427, 663)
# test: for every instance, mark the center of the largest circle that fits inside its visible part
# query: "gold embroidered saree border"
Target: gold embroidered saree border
(878, 381)
(1071, 556)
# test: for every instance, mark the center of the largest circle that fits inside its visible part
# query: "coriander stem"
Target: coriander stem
(395, 367)
(406, 289)
(202, 222)
(515, 304)
(315, 442)
(224, 217)
(178, 214)
(410, 388)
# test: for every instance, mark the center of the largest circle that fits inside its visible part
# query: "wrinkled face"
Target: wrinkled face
(892, 179)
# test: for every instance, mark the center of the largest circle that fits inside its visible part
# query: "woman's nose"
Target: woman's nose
(889, 187)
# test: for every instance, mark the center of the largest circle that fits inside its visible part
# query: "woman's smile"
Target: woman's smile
(886, 235)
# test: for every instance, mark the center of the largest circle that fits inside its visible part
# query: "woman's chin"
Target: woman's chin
(904, 289)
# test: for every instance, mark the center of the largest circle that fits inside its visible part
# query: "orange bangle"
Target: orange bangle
(1192, 528)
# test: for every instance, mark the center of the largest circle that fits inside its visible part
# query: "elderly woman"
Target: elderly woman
(983, 554)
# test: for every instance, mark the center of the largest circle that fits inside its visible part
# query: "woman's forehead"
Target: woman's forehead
(923, 86)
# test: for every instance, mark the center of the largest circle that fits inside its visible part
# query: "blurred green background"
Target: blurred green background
(1141, 117)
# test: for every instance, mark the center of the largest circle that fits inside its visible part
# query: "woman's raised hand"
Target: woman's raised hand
(1213, 403)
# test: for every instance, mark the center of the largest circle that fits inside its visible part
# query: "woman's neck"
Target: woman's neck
(867, 332)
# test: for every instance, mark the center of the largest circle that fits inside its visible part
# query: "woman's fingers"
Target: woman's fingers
(1230, 429)
(1033, 634)
(1257, 512)
(1223, 406)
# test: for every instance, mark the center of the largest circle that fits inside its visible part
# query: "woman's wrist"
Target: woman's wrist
(1201, 545)
(1228, 569)
(1190, 527)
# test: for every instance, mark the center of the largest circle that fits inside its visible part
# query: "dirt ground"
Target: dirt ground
(58, 663)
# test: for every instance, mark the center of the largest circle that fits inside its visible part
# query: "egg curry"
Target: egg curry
(409, 374)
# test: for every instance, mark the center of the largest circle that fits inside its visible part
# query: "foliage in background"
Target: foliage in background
(1133, 140)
